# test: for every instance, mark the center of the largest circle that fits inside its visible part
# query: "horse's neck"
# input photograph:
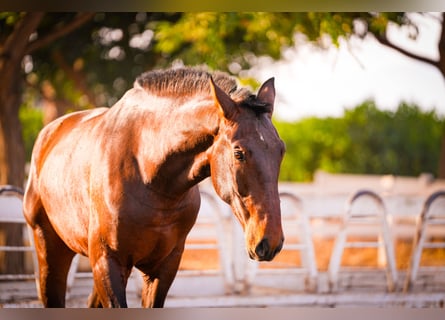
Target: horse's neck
(174, 144)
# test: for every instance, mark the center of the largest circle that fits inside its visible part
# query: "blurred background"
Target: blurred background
(357, 93)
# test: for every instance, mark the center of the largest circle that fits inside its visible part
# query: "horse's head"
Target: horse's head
(244, 162)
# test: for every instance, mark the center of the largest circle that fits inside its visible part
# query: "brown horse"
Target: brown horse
(119, 184)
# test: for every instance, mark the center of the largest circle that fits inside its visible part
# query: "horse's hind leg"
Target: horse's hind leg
(54, 259)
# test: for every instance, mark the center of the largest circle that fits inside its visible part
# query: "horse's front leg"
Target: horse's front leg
(94, 300)
(110, 281)
(157, 283)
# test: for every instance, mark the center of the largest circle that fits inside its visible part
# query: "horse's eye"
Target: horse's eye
(239, 155)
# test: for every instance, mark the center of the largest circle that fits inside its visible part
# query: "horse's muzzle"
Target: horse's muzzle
(264, 252)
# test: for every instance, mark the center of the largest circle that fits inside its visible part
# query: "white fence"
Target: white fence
(319, 210)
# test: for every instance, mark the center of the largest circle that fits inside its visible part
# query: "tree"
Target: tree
(403, 142)
(364, 140)
(70, 67)
(336, 25)
(217, 36)
(101, 60)
(14, 45)
(313, 143)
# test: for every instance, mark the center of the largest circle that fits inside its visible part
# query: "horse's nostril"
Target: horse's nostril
(262, 249)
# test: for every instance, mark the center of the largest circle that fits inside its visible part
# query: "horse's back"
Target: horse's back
(59, 129)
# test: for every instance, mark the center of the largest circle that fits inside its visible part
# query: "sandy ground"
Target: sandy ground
(23, 294)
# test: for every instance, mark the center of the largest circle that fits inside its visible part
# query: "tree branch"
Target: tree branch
(79, 20)
(15, 45)
(433, 16)
(384, 41)
(441, 45)
(76, 76)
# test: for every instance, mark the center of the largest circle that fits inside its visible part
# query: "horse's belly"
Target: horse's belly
(71, 226)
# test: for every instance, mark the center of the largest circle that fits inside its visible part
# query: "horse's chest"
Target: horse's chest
(152, 233)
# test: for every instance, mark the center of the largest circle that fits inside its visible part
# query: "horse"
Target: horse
(120, 185)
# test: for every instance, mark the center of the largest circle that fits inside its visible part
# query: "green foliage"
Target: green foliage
(311, 143)
(365, 140)
(10, 18)
(101, 59)
(32, 122)
(219, 39)
(112, 49)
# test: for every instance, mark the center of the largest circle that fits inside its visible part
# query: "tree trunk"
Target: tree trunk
(12, 165)
(12, 156)
(12, 150)
(441, 67)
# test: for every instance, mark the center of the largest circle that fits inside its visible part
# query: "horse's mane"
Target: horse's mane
(187, 82)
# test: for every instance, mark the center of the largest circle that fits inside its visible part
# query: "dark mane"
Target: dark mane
(187, 82)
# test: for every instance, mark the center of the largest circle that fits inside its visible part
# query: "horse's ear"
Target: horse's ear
(266, 94)
(227, 106)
